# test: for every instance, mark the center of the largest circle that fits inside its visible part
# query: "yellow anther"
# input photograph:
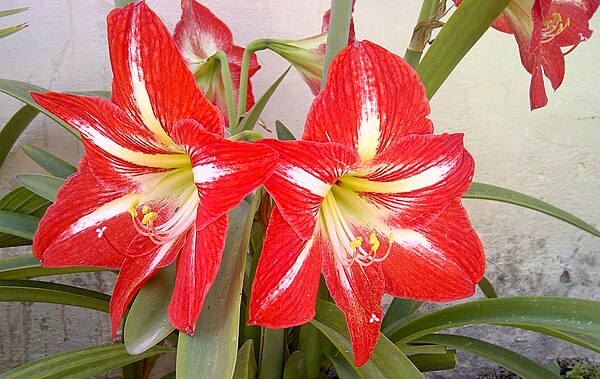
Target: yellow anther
(132, 208)
(391, 239)
(146, 209)
(356, 243)
(374, 241)
(149, 217)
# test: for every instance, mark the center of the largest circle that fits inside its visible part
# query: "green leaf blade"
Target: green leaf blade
(491, 192)
(13, 129)
(42, 185)
(54, 165)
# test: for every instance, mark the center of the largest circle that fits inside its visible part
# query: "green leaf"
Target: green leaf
(565, 314)
(518, 364)
(434, 362)
(148, 321)
(123, 3)
(27, 266)
(455, 39)
(271, 355)
(311, 345)
(399, 309)
(245, 364)
(82, 363)
(43, 185)
(20, 91)
(12, 29)
(49, 162)
(588, 341)
(212, 351)
(253, 114)
(491, 192)
(387, 360)
(295, 366)
(27, 290)
(339, 29)
(342, 367)
(10, 12)
(23, 201)
(18, 224)
(487, 288)
(13, 129)
(283, 133)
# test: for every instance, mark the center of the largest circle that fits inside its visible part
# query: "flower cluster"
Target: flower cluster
(370, 197)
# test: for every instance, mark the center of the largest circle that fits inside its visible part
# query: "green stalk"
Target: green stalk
(226, 77)
(339, 29)
(413, 53)
(254, 46)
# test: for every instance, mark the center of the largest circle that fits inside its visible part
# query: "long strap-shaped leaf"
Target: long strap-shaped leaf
(13, 129)
(81, 363)
(387, 360)
(491, 192)
(26, 290)
(466, 25)
(27, 266)
(562, 313)
(20, 91)
(54, 165)
(520, 365)
(212, 351)
(23, 201)
(44, 185)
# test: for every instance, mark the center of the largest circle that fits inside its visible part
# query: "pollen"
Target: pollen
(132, 208)
(356, 243)
(374, 241)
(391, 238)
(146, 209)
(553, 27)
(148, 217)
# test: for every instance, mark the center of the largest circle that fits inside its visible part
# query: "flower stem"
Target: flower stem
(254, 46)
(339, 29)
(417, 43)
(226, 77)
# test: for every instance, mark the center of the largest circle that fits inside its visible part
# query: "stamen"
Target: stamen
(146, 209)
(132, 208)
(554, 27)
(374, 242)
(149, 217)
(356, 243)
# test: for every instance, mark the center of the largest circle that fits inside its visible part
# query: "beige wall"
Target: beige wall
(552, 153)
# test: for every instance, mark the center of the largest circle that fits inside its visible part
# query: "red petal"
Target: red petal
(372, 98)
(440, 262)
(155, 90)
(136, 271)
(417, 177)
(57, 246)
(578, 26)
(502, 24)
(357, 291)
(224, 171)
(285, 286)
(197, 267)
(537, 90)
(112, 141)
(303, 176)
(199, 33)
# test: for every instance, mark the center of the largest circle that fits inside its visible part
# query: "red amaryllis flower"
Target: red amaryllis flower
(199, 35)
(308, 55)
(157, 178)
(371, 198)
(542, 28)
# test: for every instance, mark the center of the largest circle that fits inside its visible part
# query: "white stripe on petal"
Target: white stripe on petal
(289, 277)
(140, 93)
(306, 180)
(369, 130)
(208, 172)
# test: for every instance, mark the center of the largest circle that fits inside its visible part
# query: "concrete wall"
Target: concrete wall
(552, 153)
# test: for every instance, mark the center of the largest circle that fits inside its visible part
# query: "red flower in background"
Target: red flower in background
(157, 178)
(371, 198)
(308, 55)
(542, 28)
(200, 34)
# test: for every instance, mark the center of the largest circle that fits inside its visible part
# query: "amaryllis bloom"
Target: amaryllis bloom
(371, 198)
(199, 35)
(308, 55)
(157, 178)
(542, 28)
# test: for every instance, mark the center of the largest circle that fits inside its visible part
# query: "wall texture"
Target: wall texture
(552, 153)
